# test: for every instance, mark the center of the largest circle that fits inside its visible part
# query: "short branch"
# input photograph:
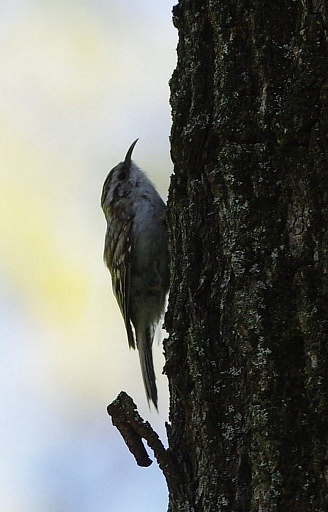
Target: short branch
(134, 429)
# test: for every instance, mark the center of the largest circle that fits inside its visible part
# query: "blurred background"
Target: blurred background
(79, 81)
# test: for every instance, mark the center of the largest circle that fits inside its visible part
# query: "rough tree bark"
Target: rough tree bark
(247, 358)
(247, 353)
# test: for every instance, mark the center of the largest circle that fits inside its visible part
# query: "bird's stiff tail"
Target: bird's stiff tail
(144, 344)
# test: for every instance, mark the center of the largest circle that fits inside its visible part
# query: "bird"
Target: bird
(137, 256)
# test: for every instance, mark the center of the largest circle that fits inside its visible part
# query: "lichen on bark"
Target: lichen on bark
(247, 221)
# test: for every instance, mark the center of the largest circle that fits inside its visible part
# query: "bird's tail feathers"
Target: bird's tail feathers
(144, 344)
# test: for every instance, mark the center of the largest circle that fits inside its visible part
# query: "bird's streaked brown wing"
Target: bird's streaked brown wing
(121, 251)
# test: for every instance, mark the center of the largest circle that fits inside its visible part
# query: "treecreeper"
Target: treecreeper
(136, 254)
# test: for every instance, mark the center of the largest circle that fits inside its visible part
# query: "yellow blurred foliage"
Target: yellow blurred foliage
(31, 253)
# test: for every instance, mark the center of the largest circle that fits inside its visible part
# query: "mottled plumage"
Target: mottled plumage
(137, 256)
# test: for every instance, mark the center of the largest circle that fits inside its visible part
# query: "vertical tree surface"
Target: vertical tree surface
(247, 358)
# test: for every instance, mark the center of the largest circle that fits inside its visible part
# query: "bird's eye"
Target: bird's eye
(122, 175)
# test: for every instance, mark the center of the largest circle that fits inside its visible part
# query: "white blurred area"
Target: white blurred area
(80, 80)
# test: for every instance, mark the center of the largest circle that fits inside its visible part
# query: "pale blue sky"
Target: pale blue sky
(80, 80)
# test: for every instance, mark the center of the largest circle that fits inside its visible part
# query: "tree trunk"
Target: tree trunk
(247, 354)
